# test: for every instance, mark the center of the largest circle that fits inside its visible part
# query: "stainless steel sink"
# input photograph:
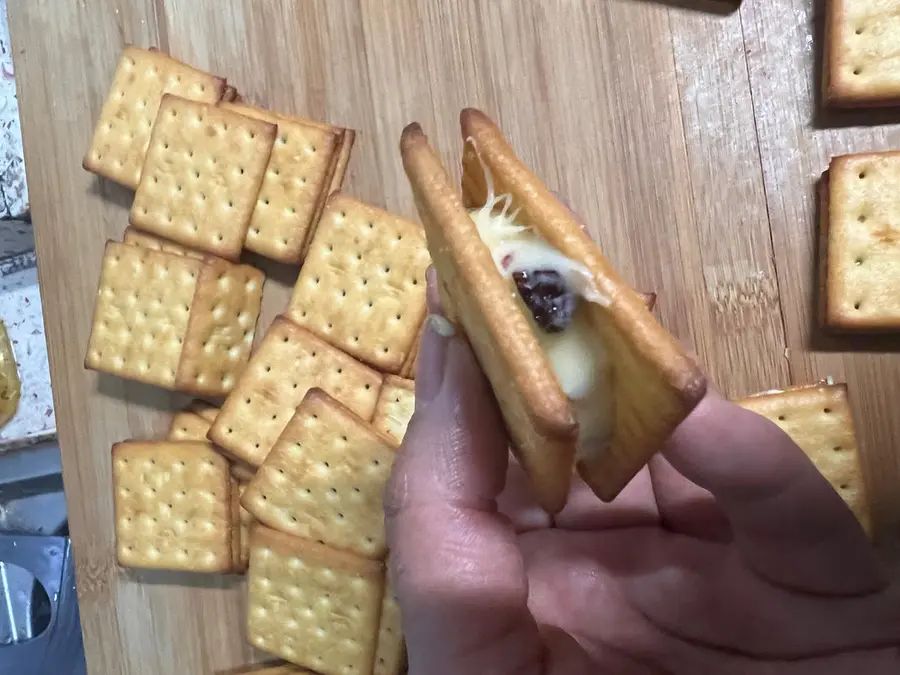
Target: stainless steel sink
(40, 632)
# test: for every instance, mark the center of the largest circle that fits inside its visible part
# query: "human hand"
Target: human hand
(729, 554)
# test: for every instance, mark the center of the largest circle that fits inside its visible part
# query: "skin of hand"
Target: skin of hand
(728, 554)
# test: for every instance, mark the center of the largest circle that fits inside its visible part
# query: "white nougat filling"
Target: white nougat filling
(577, 357)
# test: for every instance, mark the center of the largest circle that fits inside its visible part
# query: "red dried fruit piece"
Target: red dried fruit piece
(545, 293)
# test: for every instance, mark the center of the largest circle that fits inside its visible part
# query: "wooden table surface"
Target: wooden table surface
(690, 141)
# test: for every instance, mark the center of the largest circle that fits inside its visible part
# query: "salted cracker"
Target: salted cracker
(243, 472)
(860, 243)
(245, 521)
(135, 237)
(203, 171)
(860, 67)
(288, 363)
(408, 370)
(395, 406)
(141, 314)
(123, 130)
(297, 182)
(172, 506)
(173, 321)
(313, 605)
(187, 426)
(362, 285)
(819, 419)
(650, 385)
(221, 328)
(390, 652)
(205, 410)
(324, 479)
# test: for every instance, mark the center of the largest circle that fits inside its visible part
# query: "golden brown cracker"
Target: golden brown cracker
(312, 605)
(654, 383)
(123, 130)
(296, 184)
(205, 410)
(172, 506)
(860, 243)
(141, 313)
(135, 237)
(203, 171)
(324, 479)
(187, 426)
(395, 407)
(362, 285)
(221, 328)
(819, 419)
(861, 42)
(408, 370)
(390, 652)
(243, 472)
(288, 363)
(245, 523)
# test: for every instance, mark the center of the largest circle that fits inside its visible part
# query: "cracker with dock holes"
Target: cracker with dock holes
(122, 134)
(390, 653)
(362, 285)
(313, 605)
(395, 407)
(860, 66)
(819, 419)
(605, 419)
(173, 321)
(203, 171)
(299, 177)
(859, 236)
(288, 363)
(324, 479)
(172, 506)
(135, 237)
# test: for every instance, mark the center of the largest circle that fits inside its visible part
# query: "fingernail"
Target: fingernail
(431, 359)
(440, 325)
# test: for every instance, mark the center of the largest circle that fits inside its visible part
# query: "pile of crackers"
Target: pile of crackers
(277, 469)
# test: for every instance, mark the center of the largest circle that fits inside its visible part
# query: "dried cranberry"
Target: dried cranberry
(547, 296)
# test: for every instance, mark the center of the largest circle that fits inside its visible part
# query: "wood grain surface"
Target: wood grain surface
(689, 140)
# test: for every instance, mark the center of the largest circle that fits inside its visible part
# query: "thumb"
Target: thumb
(456, 565)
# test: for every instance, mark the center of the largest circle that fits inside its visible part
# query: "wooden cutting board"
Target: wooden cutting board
(689, 141)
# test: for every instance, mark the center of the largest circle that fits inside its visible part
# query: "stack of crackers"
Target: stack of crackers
(277, 469)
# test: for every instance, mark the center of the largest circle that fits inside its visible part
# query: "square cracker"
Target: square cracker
(141, 314)
(122, 133)
(652, 382)
(203, 171)
(390, 653)
(172, 506)
(312, 605)
(188, 426)
(861, 42)
(395, 407)
(324, 479)
(173, 321)
(221, 328)
(819, 419)
(859, 253)
(298, 180)
(135, 237)
(288, 363)
(245, 522)
(362, 285)
(204, 409)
